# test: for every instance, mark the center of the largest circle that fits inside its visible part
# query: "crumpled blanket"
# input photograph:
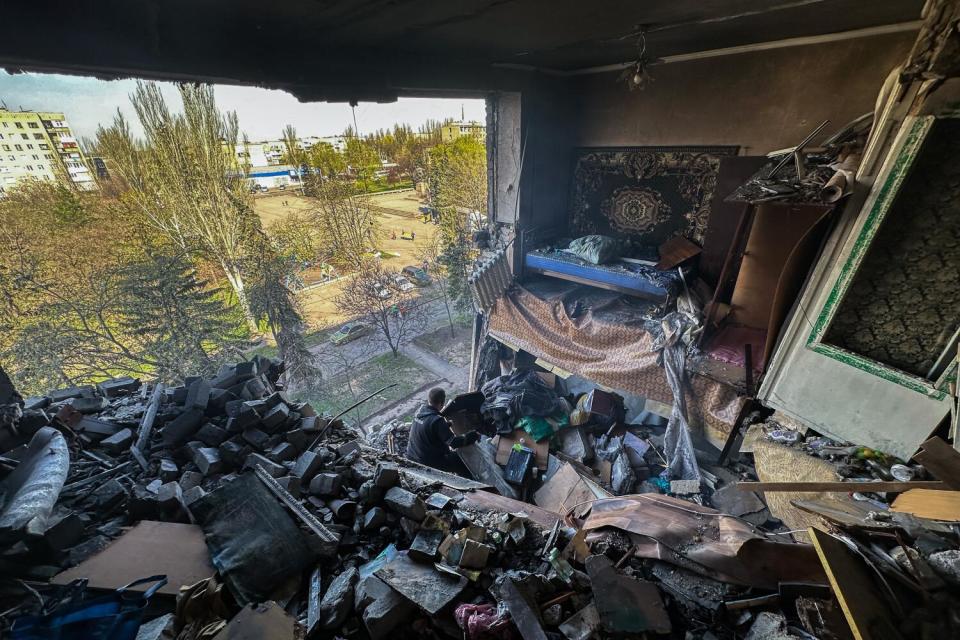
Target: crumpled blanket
(511, 397)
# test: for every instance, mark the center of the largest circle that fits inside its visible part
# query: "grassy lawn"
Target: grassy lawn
(340, 392)
(455, 350)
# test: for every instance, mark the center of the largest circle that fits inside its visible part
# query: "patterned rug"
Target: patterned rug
(648, 194)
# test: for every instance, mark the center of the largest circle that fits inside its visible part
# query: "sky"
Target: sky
(89, 102)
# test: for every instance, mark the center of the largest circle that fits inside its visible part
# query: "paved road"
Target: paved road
(336, 359)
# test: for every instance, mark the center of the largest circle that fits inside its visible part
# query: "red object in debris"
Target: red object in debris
(483, 622)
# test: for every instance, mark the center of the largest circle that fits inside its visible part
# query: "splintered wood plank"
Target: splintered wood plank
(926, 503)
(942, 460)
(855, 587)
(841, 486)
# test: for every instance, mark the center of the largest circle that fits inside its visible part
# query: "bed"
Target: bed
(630, 278)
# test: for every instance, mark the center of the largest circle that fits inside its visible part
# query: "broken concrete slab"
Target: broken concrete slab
(31, 490)
(387, 613)
(337, 602)
(426, 544)
(428, 588)
(387, 475)
(326, 484)
(180, 429)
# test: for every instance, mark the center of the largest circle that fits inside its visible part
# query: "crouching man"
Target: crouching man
(432, 442)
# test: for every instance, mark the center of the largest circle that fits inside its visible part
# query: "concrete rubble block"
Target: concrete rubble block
(198, 395)
(192, 494)
(35, 403)
(256, 438)
(374, 518)
(405, 503)
(182, 428)
(218, 399)
(386, 614)
(208, 461)
(582, 625)
(325, 484)
(387, 475)
(299, 438)
(59, 395)
(168, 470)
(291, 484)
(282, 452)
(275, 417)
(142, 503)
(769, 626)
(118, 442)
(425, 545)
(63, 531)
(337, 602)
(307, 466)
(212, 435)
(348, 448)
(190, 479)
(254, 389)
(118, 386)
(368, 590)
(273, 469)
(170, 497)
(87, 404)
(109, 494)
(234, 452)
(154, 486)
(947, 565)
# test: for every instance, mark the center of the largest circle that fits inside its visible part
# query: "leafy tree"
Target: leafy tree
(372, 295)
(327, 160)
(363, 160)
(183, 181)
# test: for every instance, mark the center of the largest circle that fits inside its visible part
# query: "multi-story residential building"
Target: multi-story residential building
(39, 144)
(453, 130)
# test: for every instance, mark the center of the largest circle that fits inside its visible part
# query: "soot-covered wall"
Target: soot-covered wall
(762, 101)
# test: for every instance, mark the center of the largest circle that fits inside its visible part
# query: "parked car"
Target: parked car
(403, 284)
(417, 275)
(350, 331)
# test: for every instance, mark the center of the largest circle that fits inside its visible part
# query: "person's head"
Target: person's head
(436, 398)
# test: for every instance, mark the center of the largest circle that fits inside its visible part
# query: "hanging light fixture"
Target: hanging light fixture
(636, 75)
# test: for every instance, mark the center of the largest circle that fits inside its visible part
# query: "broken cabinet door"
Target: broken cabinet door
(871, 345)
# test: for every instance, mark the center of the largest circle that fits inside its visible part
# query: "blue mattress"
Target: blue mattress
(629, 278)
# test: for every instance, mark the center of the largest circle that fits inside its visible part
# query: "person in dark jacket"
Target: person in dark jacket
(432, 442)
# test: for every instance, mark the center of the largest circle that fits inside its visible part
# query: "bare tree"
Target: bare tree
(431, 252)
(347, 225)
(184, 179)
(372, 294)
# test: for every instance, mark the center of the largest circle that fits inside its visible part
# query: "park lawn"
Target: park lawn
(455, 350)
(311, 338)
(343, 390)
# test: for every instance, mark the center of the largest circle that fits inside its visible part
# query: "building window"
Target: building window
(24, 136)
(18, 147)
(44, 146)
(6, 147)
(6, 125)
(19, 125)
(29, 146)
(36, 157)
(38, 136)
(48, 156)
(40, 166)
(29, 167)
(33, 125)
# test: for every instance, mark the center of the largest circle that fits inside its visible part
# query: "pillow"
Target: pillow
(595, 249)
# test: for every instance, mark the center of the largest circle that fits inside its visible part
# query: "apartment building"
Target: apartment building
(453, 130)
(39, 145)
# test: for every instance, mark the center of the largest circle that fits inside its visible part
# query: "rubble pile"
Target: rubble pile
(269, 520)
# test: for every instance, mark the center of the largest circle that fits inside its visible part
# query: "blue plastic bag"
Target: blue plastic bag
(113, 617)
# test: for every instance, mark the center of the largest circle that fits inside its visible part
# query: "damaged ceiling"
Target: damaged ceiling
(377, 49)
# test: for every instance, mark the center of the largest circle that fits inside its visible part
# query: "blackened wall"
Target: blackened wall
(762, 101)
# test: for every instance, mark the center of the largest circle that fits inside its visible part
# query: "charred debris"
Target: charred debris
(267, 520)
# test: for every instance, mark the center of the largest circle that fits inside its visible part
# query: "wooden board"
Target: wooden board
(150, 548)
(942, 460)
(675, 252)
(840, 486)
(853, 584)
(928, 503)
